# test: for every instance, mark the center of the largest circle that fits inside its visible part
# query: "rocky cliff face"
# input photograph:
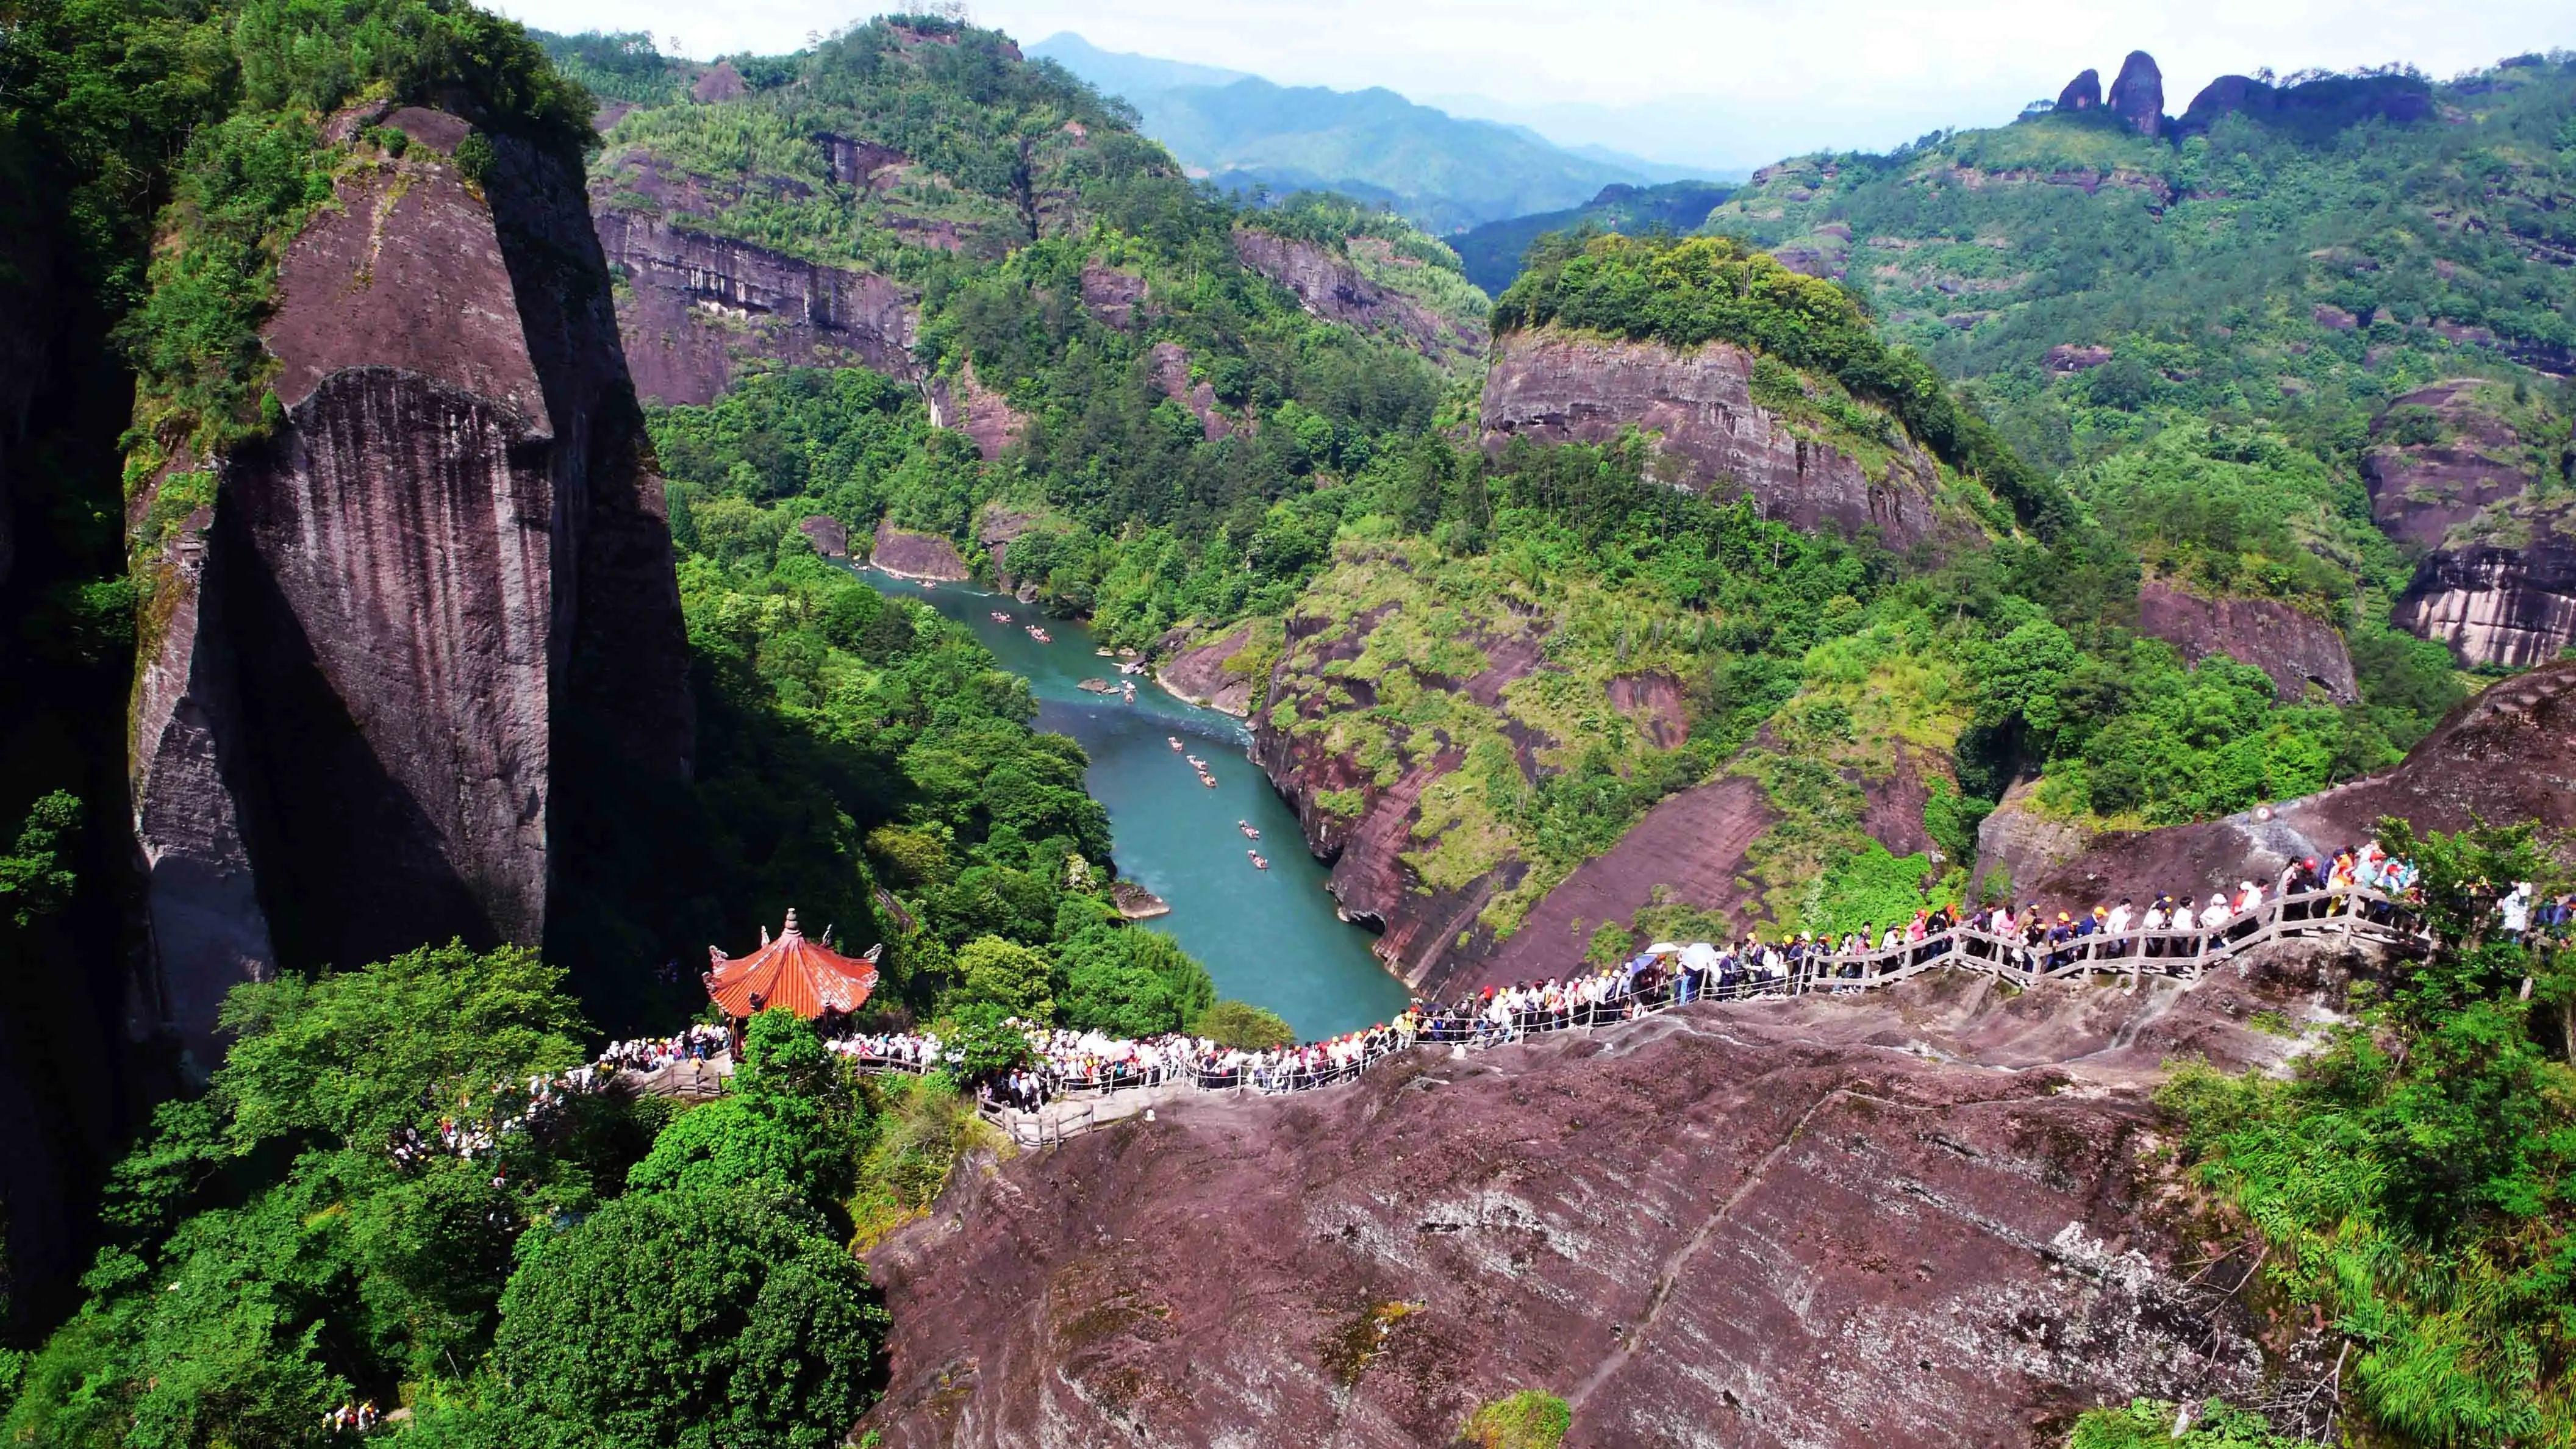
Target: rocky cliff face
(361, 654)
(964, 403)
(1711, 437)
(2138, 95)
(2508, 755)
(694, 307)
(1929, 1216)
(2084, 93)
(1199, 673)
(1333, 289)
(2296, 649)
(910, 555)
(2490, 514)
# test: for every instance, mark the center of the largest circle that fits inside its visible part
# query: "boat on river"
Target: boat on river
(1040, 635)
(1246, 826)
(1207, 779)
(1257, 862)
(1104, 653)
(1175, 740)
(1000, 618)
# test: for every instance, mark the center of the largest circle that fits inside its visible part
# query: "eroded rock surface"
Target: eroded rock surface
(1552, 387)
(2297, 650)
(2508, 755)
(696, 307)
(2494, 530)
(911, 555)
(964, 403)
(1200, 675)
(1335, 290)
(1927, 1216)
(2138, 95)
(360, 654)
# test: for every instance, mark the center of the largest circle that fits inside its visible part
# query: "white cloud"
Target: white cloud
(1743, 80)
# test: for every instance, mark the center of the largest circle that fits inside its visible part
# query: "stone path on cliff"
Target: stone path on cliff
(2187, 955)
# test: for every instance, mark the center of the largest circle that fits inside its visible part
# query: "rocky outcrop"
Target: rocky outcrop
(2138, 96)
(1332, 288)
(359, 656)
(2297, 650)
(1200, 675)
(2019, 843)
(964, 403)
(2070, 357)
(829, 535)
(2084, 93)
(910, 555)
(1111, 296)
(1169, 365)
(1710, 436)
(996, 529)
(1688, 850)
(2456, 483)
(695, 308)
(1927, 1216)
(2316, 108)
(717, 84)
(2506, 756)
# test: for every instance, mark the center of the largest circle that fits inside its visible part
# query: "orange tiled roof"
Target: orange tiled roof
(792, 972)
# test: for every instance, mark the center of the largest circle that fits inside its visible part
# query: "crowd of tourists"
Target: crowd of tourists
(474, 1127)
(2167, 933)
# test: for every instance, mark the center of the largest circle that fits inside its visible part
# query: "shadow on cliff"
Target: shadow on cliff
(350, 868)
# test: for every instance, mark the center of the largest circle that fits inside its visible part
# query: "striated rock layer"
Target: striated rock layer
(360, 657)
(696, 307)
(1749, 1225)
(2496, 572)
(2297, 650)
(1711, 437)
(1332, 288)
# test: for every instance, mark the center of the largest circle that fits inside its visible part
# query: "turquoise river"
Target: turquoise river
(1270, 937)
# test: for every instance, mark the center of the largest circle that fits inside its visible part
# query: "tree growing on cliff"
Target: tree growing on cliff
(2416, 1179)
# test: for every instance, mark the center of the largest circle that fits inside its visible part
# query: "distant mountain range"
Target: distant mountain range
(1492, 252)
(1443, 173)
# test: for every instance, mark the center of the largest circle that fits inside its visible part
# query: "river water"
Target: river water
(1270, 937)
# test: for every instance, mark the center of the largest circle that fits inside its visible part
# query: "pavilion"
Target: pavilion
(806, 977)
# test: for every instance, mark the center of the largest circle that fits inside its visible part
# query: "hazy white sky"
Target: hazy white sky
(1721, 81)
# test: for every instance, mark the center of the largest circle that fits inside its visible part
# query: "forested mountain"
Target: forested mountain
(1492, 252)
(1917, 520)
(1442, 173)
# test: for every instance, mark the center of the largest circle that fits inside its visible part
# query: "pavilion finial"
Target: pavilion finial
(791, 922)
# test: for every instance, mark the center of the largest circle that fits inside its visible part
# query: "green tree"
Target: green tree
(1243, 1026)
(34, 881)
(791, 1121)
(689, 1319)
(991, 971)
(1130, 982)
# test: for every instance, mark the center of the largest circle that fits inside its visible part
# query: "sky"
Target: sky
(1717, 83)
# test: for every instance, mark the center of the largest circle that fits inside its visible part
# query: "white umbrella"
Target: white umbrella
(1699, 956)
(1662, 948)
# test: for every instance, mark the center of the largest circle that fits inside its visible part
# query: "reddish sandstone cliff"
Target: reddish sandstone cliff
(361, 655)
(1332, 288)
(2506, 756)
(1710, 436)
(2496, 544)
(2295, 649)
(1930, 1216)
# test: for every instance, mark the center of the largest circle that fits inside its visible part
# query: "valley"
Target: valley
(497, 527)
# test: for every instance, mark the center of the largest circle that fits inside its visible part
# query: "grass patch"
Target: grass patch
(1530, 1419)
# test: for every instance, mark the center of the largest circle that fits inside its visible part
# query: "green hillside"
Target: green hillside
(2253, 274)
